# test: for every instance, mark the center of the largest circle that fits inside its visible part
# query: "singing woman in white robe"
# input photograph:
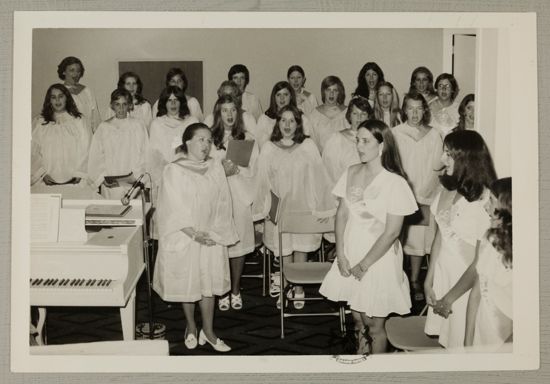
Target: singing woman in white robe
(329, 117)
(282, 95)
(229, 126)
(290, 165)
(176, 77)
(119, 148)
(166, 130)
(60, 142)
(71, 70)
(195, 227)
(305, 100)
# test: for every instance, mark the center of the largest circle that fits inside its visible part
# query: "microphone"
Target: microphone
(126, 198)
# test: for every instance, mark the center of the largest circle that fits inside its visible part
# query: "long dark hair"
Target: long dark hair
(272, 111)
(138, 96)
(47, 108)
(163, 99)
(429, 75)
(362, 87)
(390, 159)
(473, 166)
(299, 135)
(501, 236)
(462, 112)
(172, 72)
(218, 130)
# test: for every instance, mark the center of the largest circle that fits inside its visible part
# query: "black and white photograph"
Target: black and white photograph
(274, 192)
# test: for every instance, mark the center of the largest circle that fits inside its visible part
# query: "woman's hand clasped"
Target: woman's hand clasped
(358, 271)
(203, 238)
(343, 266)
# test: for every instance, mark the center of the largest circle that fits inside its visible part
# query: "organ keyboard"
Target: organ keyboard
(103, 271)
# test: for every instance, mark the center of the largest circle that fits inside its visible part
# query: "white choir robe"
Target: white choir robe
(87, 105)
(306, 101)
(251, 104)
(297, 175)
(119, 146)
(243, 189)
(324, 127)
(193, 194)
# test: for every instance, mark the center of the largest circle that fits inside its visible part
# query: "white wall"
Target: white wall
(266, 52)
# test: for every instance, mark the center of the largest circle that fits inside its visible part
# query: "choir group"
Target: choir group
(410, 179)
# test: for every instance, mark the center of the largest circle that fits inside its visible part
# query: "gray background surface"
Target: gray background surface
(6, 49)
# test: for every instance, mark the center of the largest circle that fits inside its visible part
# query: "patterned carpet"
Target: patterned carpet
(254, 330)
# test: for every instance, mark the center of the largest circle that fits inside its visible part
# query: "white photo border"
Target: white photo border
(521, 28)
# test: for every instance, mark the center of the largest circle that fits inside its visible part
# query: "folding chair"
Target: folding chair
(305, 273)
(407, 333)
(259, 248)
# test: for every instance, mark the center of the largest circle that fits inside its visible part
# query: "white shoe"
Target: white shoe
(220, 346)
(190, 340)
(275, 286)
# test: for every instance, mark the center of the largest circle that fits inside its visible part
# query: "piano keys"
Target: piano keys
(103, 271)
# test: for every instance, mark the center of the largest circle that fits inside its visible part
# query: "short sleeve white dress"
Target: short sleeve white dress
(462, 221)
(384, 289)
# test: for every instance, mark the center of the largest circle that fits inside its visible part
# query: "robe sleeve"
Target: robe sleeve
(317, 183)
(195, 108)
(339, 189)
(143, 148)
(244, 183)
(81, 169)
(175, 208)
(262, 200)
(38, 171)
(96, 161)
(223, 230)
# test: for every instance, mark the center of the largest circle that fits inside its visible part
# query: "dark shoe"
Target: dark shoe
(417, 291)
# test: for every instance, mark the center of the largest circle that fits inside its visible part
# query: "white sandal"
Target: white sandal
(223, 303)
(236, 301)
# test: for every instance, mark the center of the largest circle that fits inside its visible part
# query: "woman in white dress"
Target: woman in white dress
(228, 87)
(228, 125)
(291, 167)
(176, 77)
(119, 149)
(420, 147)
(444, 108)
(239, 74)
(489, 311)
(195, 228)
(329, 117)
(422, 81)
(461, 221)
(367, 80)
(166, 130)
(466, 113)
(386, 104)
(305, 100)
(368, 272)
(139, 108)
(71, 70)
(282, 95)
(60, 142)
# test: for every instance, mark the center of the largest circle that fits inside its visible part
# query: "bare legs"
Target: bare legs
(299, 257)
(236, 264)
(377, 332)
(206, 305)
(416, 263)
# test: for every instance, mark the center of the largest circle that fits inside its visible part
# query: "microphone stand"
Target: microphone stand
(153, 327)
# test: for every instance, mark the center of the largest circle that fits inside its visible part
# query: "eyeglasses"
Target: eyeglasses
(444, 87)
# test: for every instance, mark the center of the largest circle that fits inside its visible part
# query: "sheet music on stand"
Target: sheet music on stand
(45, 210)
